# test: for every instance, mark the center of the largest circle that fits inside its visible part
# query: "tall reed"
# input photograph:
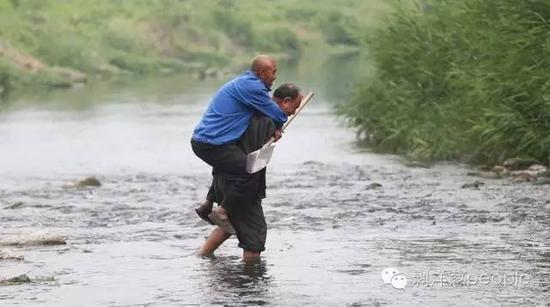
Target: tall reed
(459, 79)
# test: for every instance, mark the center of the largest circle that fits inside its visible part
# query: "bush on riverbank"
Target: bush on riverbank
(459, 78)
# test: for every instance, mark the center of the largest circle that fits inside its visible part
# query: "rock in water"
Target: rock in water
(498, 169)
(88, 182)
(519, 163)
(374, 186)
(474, 185)
(524, 177)
(15, 205)
(9, 255)
(33, 239)
(501, 171)
(537, 169)
(24, 278)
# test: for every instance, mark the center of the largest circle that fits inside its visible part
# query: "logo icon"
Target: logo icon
(393, 277)
(399, 281)
(387, 274)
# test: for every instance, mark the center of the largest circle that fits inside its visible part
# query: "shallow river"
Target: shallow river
(331, 234)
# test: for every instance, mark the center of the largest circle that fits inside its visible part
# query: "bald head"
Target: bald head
(261, 62)
(264, 67)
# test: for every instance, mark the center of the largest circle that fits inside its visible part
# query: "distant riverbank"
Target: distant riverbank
(57, 44)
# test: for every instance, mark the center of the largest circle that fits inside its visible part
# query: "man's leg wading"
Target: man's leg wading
(241, 193)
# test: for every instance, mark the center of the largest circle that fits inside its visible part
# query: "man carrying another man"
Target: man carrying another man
(240, 119)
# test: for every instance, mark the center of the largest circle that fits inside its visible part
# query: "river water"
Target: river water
(331, 233)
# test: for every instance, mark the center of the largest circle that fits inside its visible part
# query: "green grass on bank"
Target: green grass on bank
(105, 37)
(458, 79)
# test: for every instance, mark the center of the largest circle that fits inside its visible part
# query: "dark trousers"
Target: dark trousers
(224, 159)
(230, 159)
(239, 192)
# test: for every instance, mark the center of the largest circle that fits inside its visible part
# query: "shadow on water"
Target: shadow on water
(231, 280)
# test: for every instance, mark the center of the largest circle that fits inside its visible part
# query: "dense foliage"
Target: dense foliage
(459, 79)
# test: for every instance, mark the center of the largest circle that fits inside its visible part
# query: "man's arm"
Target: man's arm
(259, 100)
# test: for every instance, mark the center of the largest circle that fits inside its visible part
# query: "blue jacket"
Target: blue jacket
(229, 113)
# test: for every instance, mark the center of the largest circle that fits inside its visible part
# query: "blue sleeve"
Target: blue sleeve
(259, 99)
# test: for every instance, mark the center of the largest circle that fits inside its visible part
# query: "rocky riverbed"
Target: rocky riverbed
(338, 217)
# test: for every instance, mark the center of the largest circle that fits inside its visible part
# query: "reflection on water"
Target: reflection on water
(248, 283)
(331, 231)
